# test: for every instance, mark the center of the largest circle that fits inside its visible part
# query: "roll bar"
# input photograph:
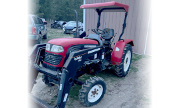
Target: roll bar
(108, 7)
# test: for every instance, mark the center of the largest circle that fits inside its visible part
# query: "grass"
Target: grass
(73, 95)
(133, 69)
(136, 57)
(106, 75)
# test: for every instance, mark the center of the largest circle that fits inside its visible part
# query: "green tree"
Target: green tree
(57, 9)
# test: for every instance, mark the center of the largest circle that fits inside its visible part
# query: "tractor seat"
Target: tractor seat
(108, 34)
(95, 37)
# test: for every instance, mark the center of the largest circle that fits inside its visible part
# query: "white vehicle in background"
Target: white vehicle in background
(69, 26)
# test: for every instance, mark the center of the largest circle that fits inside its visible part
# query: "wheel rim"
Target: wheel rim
(95, 93)
(127, 61)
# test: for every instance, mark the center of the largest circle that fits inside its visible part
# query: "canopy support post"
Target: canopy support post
(77, 26)
(124, 26)
(99, 17)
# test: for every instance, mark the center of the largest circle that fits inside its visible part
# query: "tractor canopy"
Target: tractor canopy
(107, 7)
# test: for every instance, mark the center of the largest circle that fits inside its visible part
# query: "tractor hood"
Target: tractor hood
(67, 42)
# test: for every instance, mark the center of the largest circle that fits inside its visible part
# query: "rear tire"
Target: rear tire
(92, 91)
(123, 69)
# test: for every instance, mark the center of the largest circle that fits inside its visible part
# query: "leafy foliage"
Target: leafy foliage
(57, 9)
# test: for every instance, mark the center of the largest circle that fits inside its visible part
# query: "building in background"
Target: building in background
(137, 27)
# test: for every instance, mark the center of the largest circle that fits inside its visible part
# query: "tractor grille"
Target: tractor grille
(52, 58)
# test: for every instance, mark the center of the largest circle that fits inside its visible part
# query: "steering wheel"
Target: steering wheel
(97, 31)
(108, 33)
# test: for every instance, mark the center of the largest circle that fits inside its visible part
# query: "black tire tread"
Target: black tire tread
(119, 68)
(85, 89)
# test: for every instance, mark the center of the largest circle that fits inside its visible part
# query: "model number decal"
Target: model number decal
(95, 56)
(93, 50)
(103, 55)
(60, 87)
(78, 58)
(65, 97)
(89, 46)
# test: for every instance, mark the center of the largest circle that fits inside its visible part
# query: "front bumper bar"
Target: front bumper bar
(46, 71)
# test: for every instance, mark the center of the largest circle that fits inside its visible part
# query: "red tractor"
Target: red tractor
(62, 61)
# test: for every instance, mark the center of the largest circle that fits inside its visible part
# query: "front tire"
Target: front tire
(92, 91)
(123, 69)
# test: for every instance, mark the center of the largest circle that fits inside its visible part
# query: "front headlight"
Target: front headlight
(48, 47)
(57, 49)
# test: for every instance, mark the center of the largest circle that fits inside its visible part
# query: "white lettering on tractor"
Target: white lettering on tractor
(89, 46)
(65, 97)
(79, 58)
(93, 50)
(95, 56)
(103, 55)
(60, 87)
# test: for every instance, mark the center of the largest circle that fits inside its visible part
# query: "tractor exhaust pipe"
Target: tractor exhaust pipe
(77, 27)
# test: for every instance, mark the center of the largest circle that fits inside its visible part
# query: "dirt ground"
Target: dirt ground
(133, 91)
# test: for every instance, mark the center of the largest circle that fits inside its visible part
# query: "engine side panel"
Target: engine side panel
(118, 49)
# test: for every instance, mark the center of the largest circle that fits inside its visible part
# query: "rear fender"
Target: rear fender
(118, 49)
